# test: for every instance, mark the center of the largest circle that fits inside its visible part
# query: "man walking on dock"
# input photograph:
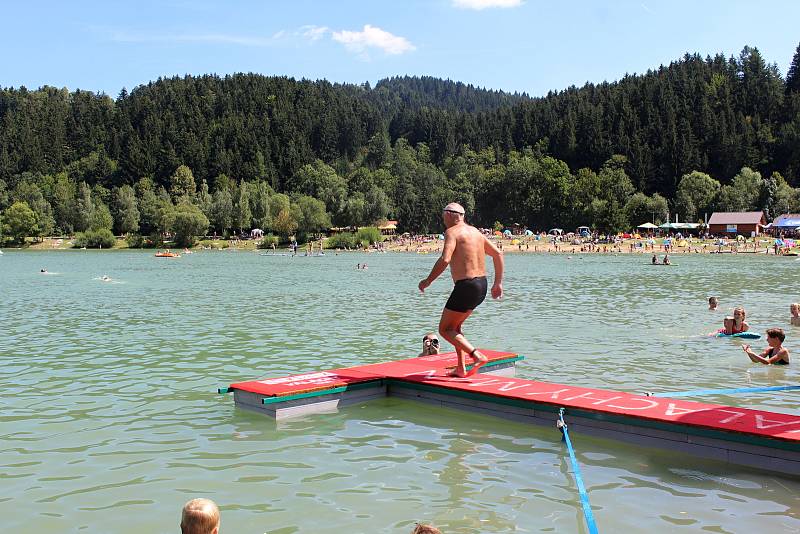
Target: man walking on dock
(465, 249)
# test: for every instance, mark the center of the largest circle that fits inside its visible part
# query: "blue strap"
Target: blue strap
(722, 391)
(587, 508)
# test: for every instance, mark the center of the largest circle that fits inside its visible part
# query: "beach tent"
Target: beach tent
(528, 232)
(555, 231)
(647, 226)
(506, 232)
(786, 222)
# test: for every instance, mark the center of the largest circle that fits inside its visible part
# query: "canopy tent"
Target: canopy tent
(679, 226)
(787, 221)
(647, 226)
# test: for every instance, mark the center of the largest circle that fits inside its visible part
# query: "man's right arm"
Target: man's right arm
(442, 263)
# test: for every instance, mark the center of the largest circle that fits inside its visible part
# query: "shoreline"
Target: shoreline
(508, 246)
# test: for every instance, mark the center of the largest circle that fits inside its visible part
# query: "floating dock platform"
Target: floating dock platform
(754, 438)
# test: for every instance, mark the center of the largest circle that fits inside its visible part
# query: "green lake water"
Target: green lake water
(110, 418)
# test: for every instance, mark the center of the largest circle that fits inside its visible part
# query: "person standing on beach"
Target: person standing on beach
(465, 249)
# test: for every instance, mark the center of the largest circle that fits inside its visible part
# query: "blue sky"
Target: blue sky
(513, 45)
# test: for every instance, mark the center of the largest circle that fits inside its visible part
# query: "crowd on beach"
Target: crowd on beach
(605, 243)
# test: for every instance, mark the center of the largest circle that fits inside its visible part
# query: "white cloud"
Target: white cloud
(372, 37)
(486, 4)
(314, 33)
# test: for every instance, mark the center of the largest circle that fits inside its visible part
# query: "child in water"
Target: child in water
(735, 324)
(775, 354)
(794, 308)
(713, 302)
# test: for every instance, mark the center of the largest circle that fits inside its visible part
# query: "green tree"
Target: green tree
(697, 192)
(204, 200)
(793, 74)
(84, 208)
(321, 181)
(64, 209)
(148, 204)
(641, 209)
(188, 222)
(744, 192)
(4, 198)
(377, 207)
(222, 210)
(19, 221)
(127, 211)
(28, 192)
(243, 215)
(310, 215)
(260, 193)
(284, 224)
(355, 210)
(181, 183)
(101, 217)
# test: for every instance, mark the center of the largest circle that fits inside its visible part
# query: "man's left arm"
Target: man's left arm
(499, 267)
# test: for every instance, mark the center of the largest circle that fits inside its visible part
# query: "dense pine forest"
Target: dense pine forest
(201, 154)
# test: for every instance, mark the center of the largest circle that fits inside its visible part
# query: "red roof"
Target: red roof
(737, 217)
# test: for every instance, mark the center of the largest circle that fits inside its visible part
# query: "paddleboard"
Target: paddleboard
(743, 335)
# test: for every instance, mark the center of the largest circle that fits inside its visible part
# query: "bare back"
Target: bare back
(465, 251)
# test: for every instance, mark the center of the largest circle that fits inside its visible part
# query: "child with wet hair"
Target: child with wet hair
(735, 324)
(775, 353)
(200, 516)
(713, 302)
(425, 529)
(794, 309)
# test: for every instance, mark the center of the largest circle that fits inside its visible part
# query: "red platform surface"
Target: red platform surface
(660, 409)
(333, 378)
(432, 371)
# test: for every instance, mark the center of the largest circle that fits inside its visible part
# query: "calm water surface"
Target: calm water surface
(110, 419)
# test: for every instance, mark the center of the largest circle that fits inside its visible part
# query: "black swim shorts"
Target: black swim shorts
(467, 294)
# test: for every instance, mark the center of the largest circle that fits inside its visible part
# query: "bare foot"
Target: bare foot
(457, 373)
(480, 361)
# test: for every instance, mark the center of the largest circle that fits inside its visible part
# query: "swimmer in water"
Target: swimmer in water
(43, 271)
(775, 354)
(655, 259)
(713, 302)
(735, 324)
(794, 308)
(105, 278)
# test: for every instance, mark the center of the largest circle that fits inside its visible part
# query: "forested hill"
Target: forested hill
(415, 92)
(410, 143)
